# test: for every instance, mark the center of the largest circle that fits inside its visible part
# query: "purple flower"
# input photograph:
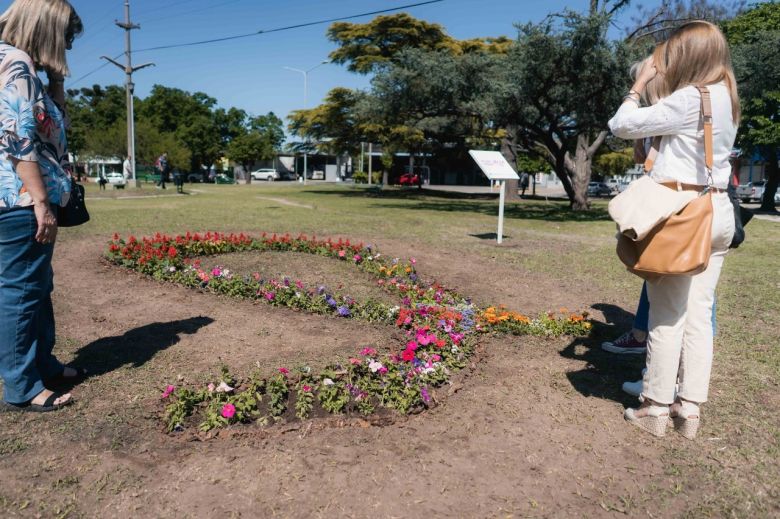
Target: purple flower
(407, 301)
(321, 290)
(413, 276)
(343, 311)
(286, 281)
(424, 394)
(331, 301)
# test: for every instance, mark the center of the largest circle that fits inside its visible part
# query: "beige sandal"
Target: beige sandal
(685, 417)
(651, 418)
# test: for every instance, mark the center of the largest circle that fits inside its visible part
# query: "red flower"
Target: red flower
(408, 355)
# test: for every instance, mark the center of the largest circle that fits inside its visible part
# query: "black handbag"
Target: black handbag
(741, 217)
(75, 212)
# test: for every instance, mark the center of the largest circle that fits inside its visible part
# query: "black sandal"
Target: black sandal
(46, 407)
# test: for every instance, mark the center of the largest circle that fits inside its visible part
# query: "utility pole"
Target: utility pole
(129, 85)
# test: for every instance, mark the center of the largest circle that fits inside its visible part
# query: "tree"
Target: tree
(364, 47)
(615, 163)
(755, 38)
(563, 81)
(656, 24)
(250, 147)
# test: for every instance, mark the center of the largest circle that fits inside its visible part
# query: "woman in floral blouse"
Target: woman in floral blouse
(34, 178)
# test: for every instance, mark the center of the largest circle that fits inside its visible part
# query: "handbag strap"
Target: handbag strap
(706, 112)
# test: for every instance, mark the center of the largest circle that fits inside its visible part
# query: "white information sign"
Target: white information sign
(496, 167)
(493, 165)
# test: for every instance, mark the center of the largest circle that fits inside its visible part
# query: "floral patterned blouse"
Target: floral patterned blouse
(31, 129)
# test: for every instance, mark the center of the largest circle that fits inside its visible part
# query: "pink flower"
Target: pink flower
(284, 371)
(408, 355)
(382, 370)
(413, 261)
(210, 388)
(357, 258)
(355, 362)
(342, 253)
(216, 271)
(368, 351)
(306, 389)
(270, 296)
(228, 411)
(411, 345)
(168, 391)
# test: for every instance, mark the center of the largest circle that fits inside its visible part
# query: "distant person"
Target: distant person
(161, 166)
(178, 180)
(127, 169)
(524, 181)
(34, 35)
(102, 181)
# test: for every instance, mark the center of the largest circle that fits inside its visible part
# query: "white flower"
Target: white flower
(455, 349)
(224, 388)
(370, 258)
(327, 382)
(375, 366)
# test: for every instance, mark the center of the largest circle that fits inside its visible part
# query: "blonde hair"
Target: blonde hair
(44, 29)
(652, 92)
(697, 54)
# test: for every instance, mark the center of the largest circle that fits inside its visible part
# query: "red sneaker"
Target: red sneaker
(626, 344)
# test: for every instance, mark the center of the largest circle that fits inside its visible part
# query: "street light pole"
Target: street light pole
(129, 85)
(305, 106)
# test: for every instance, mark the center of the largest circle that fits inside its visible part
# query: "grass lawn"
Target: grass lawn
(550, 257)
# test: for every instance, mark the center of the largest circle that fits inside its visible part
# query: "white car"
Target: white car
(116, 179)
(268, 174)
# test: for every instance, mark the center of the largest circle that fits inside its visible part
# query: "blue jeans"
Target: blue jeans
(642, 315)
(26, 313)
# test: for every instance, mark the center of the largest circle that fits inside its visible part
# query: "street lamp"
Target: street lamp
(305, 105)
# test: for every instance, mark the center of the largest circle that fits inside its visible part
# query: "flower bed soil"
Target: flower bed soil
(312, 270)
(520, 438)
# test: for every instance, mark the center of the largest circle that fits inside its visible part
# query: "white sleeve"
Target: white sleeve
(667, 117)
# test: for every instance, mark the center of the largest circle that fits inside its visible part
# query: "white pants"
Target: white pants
(679, 343)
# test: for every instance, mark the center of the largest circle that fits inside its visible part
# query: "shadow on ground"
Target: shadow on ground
(431, 200)
(135, 347)
(604, 372)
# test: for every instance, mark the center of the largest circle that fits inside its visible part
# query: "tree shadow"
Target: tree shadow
(135, 347)
(604, 372)
(447, 201)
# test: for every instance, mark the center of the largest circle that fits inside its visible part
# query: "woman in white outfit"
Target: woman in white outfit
(680, 330)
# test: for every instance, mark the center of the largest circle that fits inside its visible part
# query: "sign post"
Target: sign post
(496, 167)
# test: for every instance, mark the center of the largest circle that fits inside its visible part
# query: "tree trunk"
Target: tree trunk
(580, 169)
(511, 191)
(772, 180)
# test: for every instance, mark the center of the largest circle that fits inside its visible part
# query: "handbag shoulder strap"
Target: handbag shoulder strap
(706, 112)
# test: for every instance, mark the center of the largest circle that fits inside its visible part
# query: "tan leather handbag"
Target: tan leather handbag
(680, 245)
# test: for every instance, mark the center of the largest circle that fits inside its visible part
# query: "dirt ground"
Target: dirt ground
(533, 428)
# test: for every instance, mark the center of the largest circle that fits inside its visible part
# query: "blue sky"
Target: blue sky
(248, 73)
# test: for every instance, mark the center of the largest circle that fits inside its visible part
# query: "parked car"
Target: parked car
(614, 184)
(268, 174)
(599, 189)
(195, 177)
(116, 179)
(409, 179)
(224, 179)
(751, 191)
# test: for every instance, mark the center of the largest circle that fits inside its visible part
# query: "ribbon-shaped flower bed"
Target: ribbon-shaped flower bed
(440, 326)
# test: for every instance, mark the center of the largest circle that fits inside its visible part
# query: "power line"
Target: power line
(286, 28)
(153, 20)
(257, 33)
(85, 76)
